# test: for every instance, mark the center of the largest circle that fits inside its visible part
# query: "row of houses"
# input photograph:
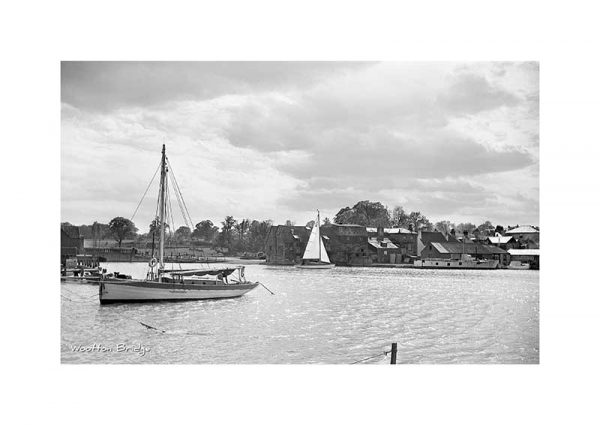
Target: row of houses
(353, 245)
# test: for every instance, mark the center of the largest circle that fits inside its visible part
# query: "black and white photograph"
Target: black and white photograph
(315, 212)
(300, 212)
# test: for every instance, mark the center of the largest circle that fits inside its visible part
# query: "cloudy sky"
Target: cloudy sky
(277, 140)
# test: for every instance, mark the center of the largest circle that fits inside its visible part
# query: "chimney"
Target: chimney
(379, 233)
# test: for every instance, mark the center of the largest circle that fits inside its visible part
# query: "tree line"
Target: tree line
(250, 235)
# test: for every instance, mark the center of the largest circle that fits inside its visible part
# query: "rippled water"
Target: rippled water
(317, 316)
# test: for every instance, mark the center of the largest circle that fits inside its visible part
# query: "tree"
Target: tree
(257, 234)
(444, 226)
(499, 229)
(399, 218)
(183, 233)
(120, 228)
(310, 224)
(155, 227)
(465, 227)
(419, 222)
(486, 228)
(289, 223)
(326, 221)
(226, 235)
(364, 213)
(205, 230)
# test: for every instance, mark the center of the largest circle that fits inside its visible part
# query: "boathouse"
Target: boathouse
(531, 256)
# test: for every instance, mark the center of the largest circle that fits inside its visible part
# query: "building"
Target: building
(424, 238)
(526, 236)
(404, 239)
(504, 242)
(454, 250)
(71, 242)
(285, 245)
(346, 244)
(382, 249)
(531, 256)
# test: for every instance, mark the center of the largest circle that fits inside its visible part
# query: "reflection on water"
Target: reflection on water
(317, 316)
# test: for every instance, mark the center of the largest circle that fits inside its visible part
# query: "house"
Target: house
(526, 236)
(383, 250)
(454, 250)
(404, 239)
(531, 256)
(504, 242)
(424, 238)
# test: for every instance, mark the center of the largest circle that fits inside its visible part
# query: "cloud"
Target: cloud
(277, 140)
(105, 86)
(471, 93)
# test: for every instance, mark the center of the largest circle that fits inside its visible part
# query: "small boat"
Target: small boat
(180, 285)
(464, 262)
(315, 255)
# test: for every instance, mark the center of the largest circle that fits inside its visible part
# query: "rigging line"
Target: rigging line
(179, 189)
(178, 197)
(145, 192)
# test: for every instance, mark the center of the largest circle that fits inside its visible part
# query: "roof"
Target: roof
(522, 229)
(377, 244)
(467, 248)
(71, 231)
(524, 251)
(390, 230)
(427, 237)
(499, 239)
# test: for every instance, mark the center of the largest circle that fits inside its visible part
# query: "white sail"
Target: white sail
(324, 256)
(315, 249)
(312, 247)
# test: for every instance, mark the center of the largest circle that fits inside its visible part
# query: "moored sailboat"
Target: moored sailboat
(315, 255)
(180, 285)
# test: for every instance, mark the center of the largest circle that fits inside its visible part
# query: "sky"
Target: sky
(279, 140)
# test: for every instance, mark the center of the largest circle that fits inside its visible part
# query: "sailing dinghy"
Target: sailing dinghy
(315, 255)
(180, 285)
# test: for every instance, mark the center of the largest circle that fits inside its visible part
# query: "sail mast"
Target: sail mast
(163, 175)
(319, 233)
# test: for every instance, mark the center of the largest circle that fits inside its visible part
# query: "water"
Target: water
(334, 316)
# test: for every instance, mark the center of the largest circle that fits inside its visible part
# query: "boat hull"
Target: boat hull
(456, 264)
(315, 266)
(149, 291)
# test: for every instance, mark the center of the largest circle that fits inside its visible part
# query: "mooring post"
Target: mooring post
(394, 351)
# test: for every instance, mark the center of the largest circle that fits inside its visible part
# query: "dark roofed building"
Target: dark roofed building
(404, 239)
(346, 244)
(424, 238)
(285, 244)
(453, 250)
(71, 242)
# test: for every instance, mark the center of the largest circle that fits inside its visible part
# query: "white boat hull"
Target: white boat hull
(148, 291)
(440, 263)
(315, 266)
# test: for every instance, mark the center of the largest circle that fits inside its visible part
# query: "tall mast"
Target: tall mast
(319, 233)
(163, 178)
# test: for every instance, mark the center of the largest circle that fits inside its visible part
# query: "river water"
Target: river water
(337, 316)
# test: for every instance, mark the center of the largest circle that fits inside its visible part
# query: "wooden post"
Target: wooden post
(394, 351)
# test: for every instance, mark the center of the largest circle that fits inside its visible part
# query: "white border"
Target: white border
(36, 36)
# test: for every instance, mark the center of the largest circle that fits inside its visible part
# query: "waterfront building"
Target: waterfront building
(527, 236)
(71, 242)
(531, 256)
(424, 238)
(454, 250)
(404, 239)
(285, 245)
